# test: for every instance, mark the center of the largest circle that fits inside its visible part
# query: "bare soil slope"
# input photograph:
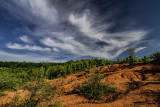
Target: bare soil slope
(138, 86)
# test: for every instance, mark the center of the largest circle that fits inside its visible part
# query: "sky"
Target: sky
(63, 30)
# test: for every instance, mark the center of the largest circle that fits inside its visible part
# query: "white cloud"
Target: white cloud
(139, 49)
(36, 11)
(27, 47)
(82, 50)
(85, 26)
(70, 45)
(55, 49)
(5, 56)
(59, 36)
(26, 39)
(126, 39)
(52, 43)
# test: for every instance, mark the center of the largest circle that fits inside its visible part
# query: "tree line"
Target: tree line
(13, 74)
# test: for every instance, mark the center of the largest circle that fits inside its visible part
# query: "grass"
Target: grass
(86, 75)
(9, 81)
(58, 104)
(94, 89)
(87, 72)
(133, 85)
(2, 94)
(62, 82)
(69, 81)
(40, 91)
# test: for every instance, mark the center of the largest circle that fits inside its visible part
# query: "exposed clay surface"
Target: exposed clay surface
(146, 77)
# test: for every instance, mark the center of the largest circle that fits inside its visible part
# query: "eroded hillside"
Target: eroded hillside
(137, 85)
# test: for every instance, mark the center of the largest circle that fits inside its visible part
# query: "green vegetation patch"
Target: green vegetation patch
(2, 94)
(94, 89)
(40, 91)
(9, 81)
(155, 55)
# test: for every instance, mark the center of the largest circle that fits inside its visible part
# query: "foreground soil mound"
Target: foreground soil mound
(138, 85)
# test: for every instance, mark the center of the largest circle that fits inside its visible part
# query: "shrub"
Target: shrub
(87, 71)
(94, 89)
(145, 59)
(58, 104)
(133, 85)
(131, 53)
(155, 55)
(40, 91)
(69, 81)
(9, 81)
(2, 94)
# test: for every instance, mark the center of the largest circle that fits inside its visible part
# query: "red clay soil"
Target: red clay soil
(138, 86)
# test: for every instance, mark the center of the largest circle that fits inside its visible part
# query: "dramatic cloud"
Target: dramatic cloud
(139, 49)
(27, 47)
(35, 11)
(85, 26)
(5, 56)
(73, 29)
(26, 39)
(117, 42)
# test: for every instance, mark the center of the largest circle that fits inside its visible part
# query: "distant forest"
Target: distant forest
(15, 74)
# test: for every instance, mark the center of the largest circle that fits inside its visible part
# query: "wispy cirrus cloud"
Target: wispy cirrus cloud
(139, 49)
(5, 56)
(76, 29)
(85, 26)
(112, 44)
(117, 42)
(25, 39)
(37, 11)
(27, 47)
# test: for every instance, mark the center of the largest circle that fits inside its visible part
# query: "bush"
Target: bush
(58, 104)
(94, 89)
(9, 81)
(145, 59)
(40, 92)
(131, 53)
(155, 55)
(46, 90)
(2, 94)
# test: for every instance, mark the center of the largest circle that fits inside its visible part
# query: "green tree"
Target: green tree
(155, 55)
(69, 69)
(135, 59)
(145, 59)
(131, 53)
